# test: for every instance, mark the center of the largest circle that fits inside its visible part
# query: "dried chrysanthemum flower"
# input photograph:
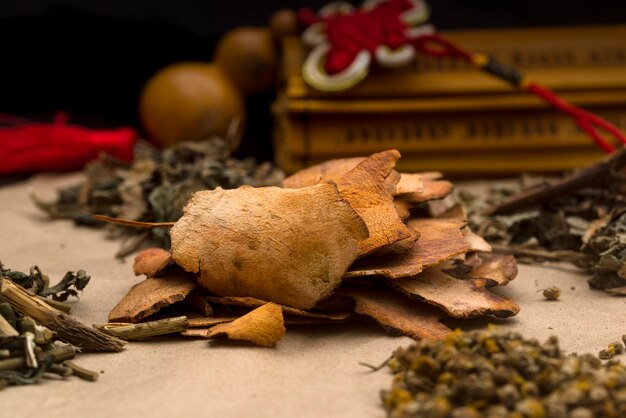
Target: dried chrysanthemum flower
(552, 293)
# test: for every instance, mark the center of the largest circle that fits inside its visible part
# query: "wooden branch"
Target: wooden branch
(583, 178)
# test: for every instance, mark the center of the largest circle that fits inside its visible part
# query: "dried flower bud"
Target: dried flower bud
(552, 293)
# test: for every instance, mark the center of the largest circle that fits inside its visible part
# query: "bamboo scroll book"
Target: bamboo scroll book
(442, 114)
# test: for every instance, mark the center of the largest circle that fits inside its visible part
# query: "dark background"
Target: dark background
(91, 58)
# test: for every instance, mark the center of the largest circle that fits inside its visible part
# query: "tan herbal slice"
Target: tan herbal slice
(475, 241)
(288, 246)
(152, 261)
(440, 240)
(497, 270)
(255, 303)
(366, 189)
(398, 313)
(263, 326)
(433, 189)
(149, 296)
(403, 209)
(458, 298)
(331, 170)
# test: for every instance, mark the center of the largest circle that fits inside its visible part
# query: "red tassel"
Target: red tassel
(59, 147)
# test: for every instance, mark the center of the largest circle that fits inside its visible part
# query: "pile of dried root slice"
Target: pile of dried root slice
(349, 238)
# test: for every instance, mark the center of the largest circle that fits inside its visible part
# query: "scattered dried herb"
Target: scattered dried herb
(497, 373)
(154, 187)
(579, 218)
(31, 331)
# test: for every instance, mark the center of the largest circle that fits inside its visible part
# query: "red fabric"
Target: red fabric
(59, 147)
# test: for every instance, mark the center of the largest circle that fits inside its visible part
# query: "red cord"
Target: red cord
(366, 30)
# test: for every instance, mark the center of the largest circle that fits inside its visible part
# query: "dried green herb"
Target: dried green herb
(497, 373)
(38, 283)
(579, 218)
(154, 187)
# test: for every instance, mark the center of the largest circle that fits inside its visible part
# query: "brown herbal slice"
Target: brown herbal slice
(263, 326)
(433, 189)
(458, 298)
(399, 247)
(366, 189)
(457, 211)
(397, 313)
(152, 262)
(255, 303)
(149, 296)
(497, 270)
(288, 246)
(440, 240)
(199, 303)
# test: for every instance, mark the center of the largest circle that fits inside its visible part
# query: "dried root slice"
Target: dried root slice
(152, 262)
(440, 240)
(331, 170)
(399, 247)
(475, 241)
(255, 303)
(457, 211)
(403, 209)
(414, 182)
(397, 313)
(433, 189)
(149, 296)
(366, 189)
(458, 298)
(263, 326)
(288, 246)
(497, 270)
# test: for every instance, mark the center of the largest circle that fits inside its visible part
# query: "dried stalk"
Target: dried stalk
(574, 257)
(130, 332)
(81, 372)
(6, 330)
(67, 328)
(586, 177)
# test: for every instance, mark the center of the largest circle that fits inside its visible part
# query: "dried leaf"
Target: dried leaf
(440, 240)
(458, 298)
(263, 326)
(255, 303)
(433, 189)
(289, 246)
(397, 313)
(149, 296)
(152, 262)
(370, 195)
